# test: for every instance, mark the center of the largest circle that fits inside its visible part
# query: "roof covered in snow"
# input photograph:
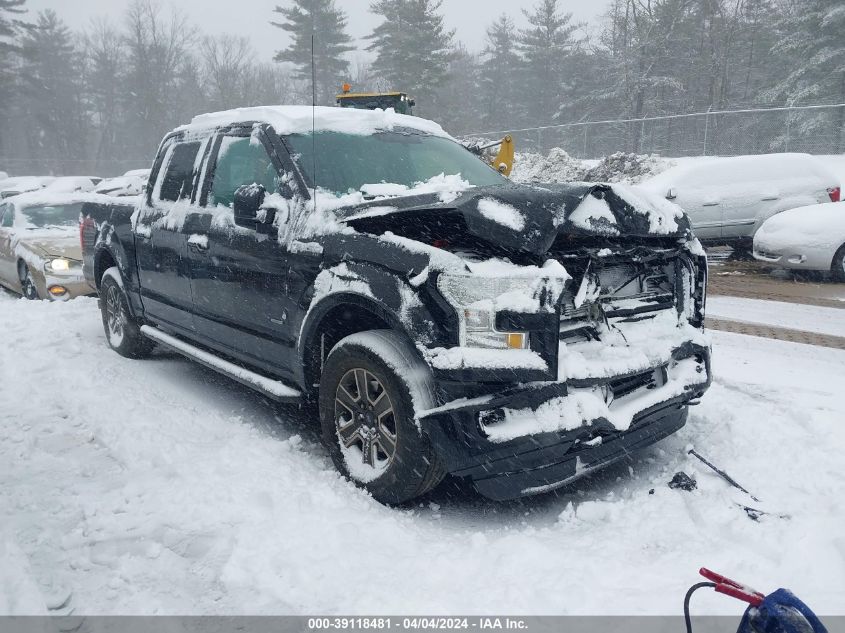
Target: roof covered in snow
(299, 120)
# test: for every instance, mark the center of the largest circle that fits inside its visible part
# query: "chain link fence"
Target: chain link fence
(818, 129)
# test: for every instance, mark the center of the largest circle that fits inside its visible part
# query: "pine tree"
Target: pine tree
(51, 93)
(546, 47)
(462, 88)
(500, 75)
(331, 42)
(813, 47)
(413, 48)
(11, 25)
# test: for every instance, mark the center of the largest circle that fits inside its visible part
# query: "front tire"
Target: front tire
(28, 287)
(837, 269)
(123, 332)
(370, 384)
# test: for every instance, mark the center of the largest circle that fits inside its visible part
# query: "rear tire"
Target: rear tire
(837, 269)
(123, 332)
(28, 287)
(368, 418)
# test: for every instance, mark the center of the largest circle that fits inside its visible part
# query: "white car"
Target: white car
(122, 186)
(808, 238)
(73, 184)
(728, 199)
(23, 184)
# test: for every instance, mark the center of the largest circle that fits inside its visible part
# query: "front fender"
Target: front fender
(385, 295)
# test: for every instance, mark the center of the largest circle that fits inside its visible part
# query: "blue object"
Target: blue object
(780, 612)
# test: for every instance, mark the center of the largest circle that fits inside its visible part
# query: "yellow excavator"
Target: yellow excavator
(401, 103)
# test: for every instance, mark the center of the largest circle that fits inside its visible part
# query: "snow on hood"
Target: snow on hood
(529, 218)
(815, 226)
(302, 119)
(45, 198)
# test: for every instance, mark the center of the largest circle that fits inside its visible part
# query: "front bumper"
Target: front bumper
(532, 463)
(795, 258)
(72, 285)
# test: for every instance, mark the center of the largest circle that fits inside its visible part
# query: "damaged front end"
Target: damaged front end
(570, 347)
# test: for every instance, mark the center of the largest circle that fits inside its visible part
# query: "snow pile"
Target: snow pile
(626, 167)
(158, 487)
(558, 166)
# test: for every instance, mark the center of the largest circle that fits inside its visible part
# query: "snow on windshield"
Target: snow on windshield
(347, 162)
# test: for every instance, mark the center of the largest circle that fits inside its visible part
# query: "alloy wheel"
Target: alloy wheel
(365, 419)
(115, 317)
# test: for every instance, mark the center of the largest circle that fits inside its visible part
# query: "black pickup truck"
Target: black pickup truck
(440, 318)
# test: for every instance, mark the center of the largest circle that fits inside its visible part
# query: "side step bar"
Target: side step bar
(273, 389)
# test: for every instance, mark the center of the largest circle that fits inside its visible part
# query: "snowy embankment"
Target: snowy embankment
(793, 316)
(157, 487)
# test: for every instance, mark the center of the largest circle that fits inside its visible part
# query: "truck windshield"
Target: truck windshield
(47, 216)
(347, 162)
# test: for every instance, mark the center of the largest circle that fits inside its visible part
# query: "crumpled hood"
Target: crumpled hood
(530, 218)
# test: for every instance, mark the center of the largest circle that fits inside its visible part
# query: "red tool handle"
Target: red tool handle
(732, 588)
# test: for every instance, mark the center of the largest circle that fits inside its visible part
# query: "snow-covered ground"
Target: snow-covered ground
(793, 316)
(157, 487)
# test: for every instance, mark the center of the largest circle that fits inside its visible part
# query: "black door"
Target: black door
(161, 238)
(239, 274)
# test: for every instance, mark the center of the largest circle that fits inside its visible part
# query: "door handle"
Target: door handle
(710, 204)
(769, 199)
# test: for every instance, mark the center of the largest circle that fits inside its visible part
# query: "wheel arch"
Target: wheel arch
(334, 318)
(103, 260)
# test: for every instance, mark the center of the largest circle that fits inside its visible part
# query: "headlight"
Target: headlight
(474, 298)
(58, 265)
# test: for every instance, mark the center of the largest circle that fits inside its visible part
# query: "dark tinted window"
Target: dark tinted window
(7, 215)
(241, 161)
(178, 182)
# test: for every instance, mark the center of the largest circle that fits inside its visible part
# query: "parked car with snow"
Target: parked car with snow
(728, 199)
(73, 184)
(440, 317)
(23, 184)
(40, 252)
(122, 186)
(807, 238)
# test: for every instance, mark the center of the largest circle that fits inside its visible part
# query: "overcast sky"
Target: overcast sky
(252, 17)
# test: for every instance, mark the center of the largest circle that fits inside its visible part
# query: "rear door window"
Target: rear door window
(178, 180)
(7, 216)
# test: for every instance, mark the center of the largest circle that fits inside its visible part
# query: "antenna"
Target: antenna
(314, 113)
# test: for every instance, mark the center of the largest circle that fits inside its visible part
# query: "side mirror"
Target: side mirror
(671, 194)
(248, 201)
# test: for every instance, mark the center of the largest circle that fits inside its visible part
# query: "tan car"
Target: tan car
(40, 253)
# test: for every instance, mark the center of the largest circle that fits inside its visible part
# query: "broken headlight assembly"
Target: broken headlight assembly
(473, 297)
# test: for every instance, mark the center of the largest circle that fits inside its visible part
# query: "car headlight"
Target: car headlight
(58, 265)
(474, 298)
